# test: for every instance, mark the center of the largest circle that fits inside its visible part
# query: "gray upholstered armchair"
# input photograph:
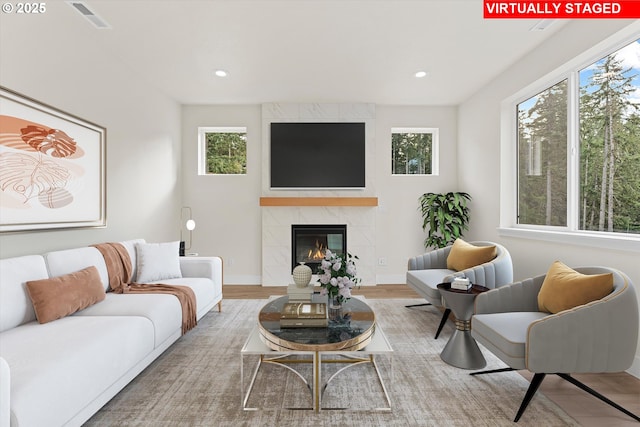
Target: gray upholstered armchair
(600, 336)
(426, 271)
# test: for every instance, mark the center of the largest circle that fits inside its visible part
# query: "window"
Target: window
(414, 151)
(222, 151)
(610, 143)
(578, 148)
(542, 158)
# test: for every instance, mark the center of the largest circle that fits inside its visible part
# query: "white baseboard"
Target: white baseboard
(391, 279)
(635, 368)
(242, 280)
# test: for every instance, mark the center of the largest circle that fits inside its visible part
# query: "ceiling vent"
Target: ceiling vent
(542, 25)
(91, 16)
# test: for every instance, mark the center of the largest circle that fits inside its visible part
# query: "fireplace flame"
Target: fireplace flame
(317, 253)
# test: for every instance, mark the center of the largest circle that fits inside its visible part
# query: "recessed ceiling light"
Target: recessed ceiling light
(421, 74)
(221, 73)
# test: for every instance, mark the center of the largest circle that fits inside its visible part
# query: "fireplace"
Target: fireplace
(309, 243)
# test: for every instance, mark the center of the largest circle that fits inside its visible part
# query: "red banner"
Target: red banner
(561, 9)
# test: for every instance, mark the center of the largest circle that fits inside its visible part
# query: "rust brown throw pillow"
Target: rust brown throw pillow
(61, 296)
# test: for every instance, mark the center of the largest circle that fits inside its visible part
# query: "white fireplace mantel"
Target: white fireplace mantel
(276, 238)
(281, 209)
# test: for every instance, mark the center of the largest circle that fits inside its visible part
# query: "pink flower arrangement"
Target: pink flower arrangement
(337, 275)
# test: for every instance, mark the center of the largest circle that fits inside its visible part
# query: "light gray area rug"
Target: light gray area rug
(196, 382)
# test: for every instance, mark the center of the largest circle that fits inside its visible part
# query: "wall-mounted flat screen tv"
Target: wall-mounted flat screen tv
(317, 155)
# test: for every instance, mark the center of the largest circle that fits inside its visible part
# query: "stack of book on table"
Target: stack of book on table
(304, 315)
(461, 283)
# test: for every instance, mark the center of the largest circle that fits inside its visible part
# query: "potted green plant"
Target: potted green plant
(445, 217)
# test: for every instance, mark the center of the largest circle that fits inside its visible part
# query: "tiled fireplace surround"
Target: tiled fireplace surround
(277, 220)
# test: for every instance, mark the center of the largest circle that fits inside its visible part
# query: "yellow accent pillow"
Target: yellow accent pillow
(564, 288)
(465, 255)
(61, 296)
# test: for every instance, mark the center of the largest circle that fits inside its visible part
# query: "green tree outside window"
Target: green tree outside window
(412, 151)
(605, 161)
(225, 152)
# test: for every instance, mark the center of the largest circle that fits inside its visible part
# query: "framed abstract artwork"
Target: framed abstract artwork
(52, 167)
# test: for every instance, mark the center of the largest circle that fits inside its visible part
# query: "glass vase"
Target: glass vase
(335, 308)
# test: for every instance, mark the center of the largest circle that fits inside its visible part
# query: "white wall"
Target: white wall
(399, 223)
(63, 68)
(226, 208)
(479, 156)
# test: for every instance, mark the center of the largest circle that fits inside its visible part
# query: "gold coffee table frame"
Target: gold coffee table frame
(348, 345)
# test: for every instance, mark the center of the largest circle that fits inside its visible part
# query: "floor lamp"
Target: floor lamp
(186, 221)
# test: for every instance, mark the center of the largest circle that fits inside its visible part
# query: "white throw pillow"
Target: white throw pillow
(157, 261)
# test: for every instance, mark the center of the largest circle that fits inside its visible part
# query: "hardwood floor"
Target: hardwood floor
(622, 388)
(259, 291)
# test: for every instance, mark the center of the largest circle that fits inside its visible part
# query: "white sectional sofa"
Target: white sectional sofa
(61, 372)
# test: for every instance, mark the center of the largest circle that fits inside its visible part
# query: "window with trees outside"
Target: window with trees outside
(596, 185)
(414, 151)
(222, 151)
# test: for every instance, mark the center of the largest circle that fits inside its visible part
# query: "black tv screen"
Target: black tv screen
(317, 155)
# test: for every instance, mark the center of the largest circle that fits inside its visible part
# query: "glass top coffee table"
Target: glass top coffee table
(351, 332)
(354, 338)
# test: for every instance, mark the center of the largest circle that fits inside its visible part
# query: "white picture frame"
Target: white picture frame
(52, 167)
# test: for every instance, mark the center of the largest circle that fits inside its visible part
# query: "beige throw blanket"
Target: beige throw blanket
(120, 269)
